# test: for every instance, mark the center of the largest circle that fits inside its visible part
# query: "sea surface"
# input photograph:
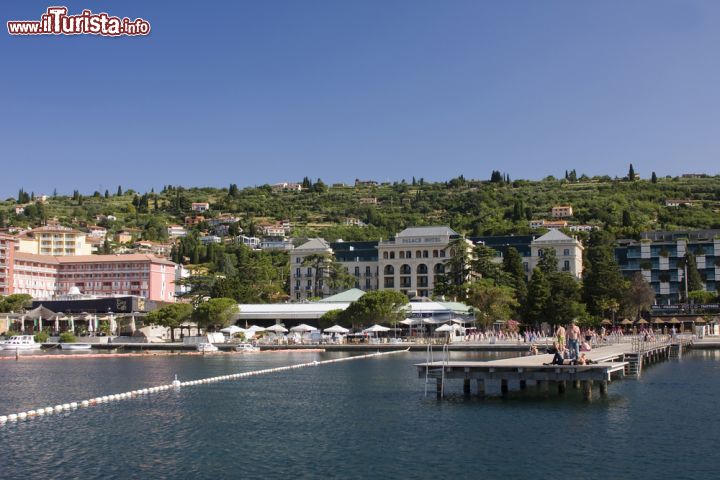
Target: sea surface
(362, 419)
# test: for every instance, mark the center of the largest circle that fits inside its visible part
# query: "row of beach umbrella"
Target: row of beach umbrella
(657, 321)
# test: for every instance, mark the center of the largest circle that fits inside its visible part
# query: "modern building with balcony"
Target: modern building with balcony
(7, 254)
(54, 240)
(659, 257)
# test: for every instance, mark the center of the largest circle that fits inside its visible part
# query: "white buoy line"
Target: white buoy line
(176, 384)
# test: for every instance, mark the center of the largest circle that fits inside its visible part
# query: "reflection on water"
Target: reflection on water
(354, 420)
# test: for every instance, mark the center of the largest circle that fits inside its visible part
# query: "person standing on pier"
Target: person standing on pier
(574, 340)
(560, 335)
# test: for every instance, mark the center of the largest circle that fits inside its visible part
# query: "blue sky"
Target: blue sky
(255, 92)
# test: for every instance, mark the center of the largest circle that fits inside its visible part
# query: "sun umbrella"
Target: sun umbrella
(411, 321)
(277, 328)
(675, 320)
(232, 329)
(376, 328)
(658, 320)
(626, 321)
(445, 328)
(336, 329)
(642, 321)
(303, 328)
(606, 322)
(699, 320)
(256, 328)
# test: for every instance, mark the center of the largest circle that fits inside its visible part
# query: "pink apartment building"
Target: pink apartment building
(7, 251)
(44, 276)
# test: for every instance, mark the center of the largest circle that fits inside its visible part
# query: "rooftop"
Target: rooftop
(427, 231)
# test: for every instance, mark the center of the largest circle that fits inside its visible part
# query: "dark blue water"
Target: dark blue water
(361, 419)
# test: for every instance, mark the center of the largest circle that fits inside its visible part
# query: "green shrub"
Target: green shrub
(41, 337)
(67, 337)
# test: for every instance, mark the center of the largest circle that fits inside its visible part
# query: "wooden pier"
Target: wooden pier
(498, 377)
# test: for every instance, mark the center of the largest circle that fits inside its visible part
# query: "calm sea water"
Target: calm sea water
(361, 419)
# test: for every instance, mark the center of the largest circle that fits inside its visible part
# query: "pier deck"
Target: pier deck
(497, 377)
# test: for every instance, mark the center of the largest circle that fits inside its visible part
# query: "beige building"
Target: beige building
(412, 261)
(302, 277)
(54, 240)
(562, 211)
(569, 252)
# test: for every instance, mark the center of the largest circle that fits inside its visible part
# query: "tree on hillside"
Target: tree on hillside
(537, 297)
(694, 280)
(485, 264)
(653, 178)
(638, 297)
(380, 306)
(119, 191)
(548, 262)
(170, 316)
(457, 270)
(564, 303)
(513, 266)
(215, 313)
(496, 176)
(602, 279)
(631, 173)
(492, 302)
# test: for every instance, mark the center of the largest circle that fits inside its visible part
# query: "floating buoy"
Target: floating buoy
(31, 413)
(3, 418)
(85, 403)
(12, 417)
(22, 415)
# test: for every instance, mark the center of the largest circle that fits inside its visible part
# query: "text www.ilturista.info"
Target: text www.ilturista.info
(56, 21)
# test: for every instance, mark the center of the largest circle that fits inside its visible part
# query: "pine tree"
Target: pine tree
(653, 178)
(513, 265)
(107, 194)
(538, 296)
(631, 173)
(626, 219)
(119, 191)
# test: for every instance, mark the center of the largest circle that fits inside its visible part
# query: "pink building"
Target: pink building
(44, 276)
(7, 251)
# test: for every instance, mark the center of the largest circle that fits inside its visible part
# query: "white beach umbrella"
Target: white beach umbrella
(445, 328)
(376, 329)
(303, 328)
(277, 328)
(232, 329)
(411, 321)
(256, 328)
(336, 329)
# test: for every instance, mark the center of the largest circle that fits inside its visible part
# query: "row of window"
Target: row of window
(406, 254)
(421, 269)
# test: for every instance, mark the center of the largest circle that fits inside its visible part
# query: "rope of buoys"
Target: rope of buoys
(176, 384)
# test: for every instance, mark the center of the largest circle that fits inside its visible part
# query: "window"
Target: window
(442, 253)
(418, 254)
(389, 270)
(405, 270)
(297, 272)
(389, 282)
(526, 267)
(566, 266)
(402, 254)
(422, 269)
(425, 254)
(367, 284)
(297, 259)
(439, 268)
(435, 253)
(566, 252)
(357, 271)
(385, 255)
(309, 271)
(392, 255)
(368, 271)
(405, 282)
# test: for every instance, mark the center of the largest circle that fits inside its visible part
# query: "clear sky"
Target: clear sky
(263, 91)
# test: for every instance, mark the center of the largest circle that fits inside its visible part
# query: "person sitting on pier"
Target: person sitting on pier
(557, 356)
(585, 346)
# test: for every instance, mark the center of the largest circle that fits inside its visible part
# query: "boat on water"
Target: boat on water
(21, 342)
(206, 347)
(75, 346)
(246, 347)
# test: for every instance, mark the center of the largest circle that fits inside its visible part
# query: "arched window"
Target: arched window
(389, 270)
(439, 268)
(405, 270)
(422, 269)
